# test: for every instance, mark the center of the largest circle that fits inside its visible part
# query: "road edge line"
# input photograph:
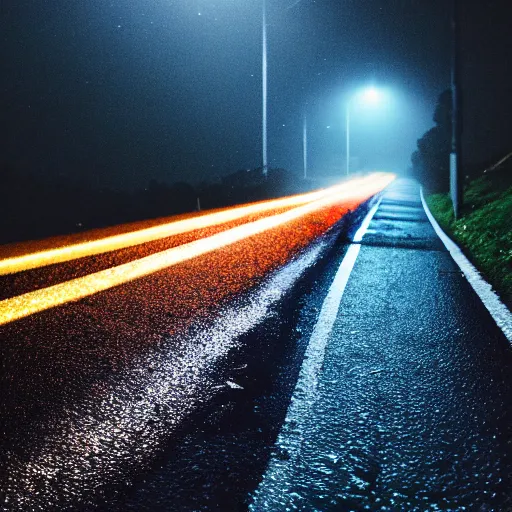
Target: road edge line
(306, 387)
(499, 312)
(363, 228)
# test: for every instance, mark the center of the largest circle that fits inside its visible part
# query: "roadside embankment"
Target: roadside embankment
(484, 229)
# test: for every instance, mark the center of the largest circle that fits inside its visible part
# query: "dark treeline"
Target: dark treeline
(431, 161)
(34, 206)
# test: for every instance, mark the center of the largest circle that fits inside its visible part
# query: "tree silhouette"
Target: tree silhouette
(431, 161)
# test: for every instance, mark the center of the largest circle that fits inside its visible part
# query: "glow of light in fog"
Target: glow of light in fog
(33, 302)
(121, 241)
(370, 95)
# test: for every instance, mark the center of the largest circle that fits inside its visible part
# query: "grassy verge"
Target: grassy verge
(484, 230)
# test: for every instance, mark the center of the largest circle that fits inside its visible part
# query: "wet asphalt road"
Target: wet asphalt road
(413, 407)
(95, 392)
(411, 411)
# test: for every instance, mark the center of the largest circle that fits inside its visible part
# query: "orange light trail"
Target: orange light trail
(30, 303)
(121, 241)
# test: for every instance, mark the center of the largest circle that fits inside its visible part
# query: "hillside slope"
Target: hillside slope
(484, 230)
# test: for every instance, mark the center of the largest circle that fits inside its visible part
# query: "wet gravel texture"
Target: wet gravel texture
(413, 409)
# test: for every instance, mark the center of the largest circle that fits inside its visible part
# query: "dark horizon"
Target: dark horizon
(119, 94)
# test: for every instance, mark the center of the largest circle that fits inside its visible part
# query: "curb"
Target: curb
(499, 312)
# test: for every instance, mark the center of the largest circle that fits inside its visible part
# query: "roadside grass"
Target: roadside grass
(484, 230)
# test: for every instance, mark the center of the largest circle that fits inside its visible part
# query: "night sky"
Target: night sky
(118, 92)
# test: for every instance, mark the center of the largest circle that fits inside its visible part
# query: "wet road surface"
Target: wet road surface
(412, 405)
(140, 398)
(94, 391)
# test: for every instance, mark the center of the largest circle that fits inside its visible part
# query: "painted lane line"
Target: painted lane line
(30, 303)
(274, 487)
(366, 222)
(499, 312)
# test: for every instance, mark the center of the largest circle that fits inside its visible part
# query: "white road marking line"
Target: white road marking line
(294, 431)
(366, 222)
(499, 312)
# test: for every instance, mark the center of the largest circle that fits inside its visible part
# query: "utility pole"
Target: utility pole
(347, 134)
(456, 184)
(264, 88)
(305, 146)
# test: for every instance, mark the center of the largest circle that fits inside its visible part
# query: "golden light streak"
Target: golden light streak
(121, 241)
(40, 300)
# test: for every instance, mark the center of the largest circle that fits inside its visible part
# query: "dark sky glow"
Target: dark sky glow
(119, 92)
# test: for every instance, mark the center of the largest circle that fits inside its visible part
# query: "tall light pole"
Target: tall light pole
(264, 164)
(456, 190)
(305, 145)
(347, 130)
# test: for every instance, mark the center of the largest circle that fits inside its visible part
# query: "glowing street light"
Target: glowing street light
(305, 145)
(368, 96)
(264, 88)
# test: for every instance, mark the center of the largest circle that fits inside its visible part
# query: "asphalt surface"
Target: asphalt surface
(413, 406)
(141, 399)
(94, 393)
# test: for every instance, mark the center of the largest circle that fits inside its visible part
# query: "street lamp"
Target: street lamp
(264, 92)
(305, 145)
(264, 88)
(368, 96)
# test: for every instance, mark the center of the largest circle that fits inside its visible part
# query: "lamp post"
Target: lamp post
(264, 163)
(305, 145)
(347, 129)
(369, 95)
(456, 188)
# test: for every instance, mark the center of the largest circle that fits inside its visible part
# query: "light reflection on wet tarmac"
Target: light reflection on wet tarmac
(121, 433)
(93, 389)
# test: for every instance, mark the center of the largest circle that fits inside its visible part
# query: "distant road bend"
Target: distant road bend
(109, 342)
